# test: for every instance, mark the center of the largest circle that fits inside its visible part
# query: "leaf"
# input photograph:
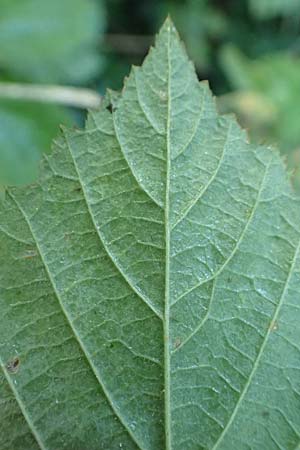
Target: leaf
(275, 77)
(150, 280)
(267, 9)
(48, 41)
(51, 41)
(26, 131)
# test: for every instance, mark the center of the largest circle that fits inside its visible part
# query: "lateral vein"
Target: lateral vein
(22, 407)
(104, 243)
(69, 321)
(260, 353)
(237, 245)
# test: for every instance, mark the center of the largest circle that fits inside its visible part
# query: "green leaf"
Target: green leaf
(267, 9)
(149, 283)
(274, 77)
(27, 130)
(51, 41)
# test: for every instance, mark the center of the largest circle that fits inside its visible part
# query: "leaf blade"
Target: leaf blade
(180, 288)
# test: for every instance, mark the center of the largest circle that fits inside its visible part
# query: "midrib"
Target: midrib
(167, 367)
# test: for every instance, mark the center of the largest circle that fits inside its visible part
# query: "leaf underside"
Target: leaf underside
(149, 284)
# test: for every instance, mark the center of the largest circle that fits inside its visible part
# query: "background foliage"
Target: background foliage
(247, 49)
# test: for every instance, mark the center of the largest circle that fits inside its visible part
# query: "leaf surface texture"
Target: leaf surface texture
(149, 284)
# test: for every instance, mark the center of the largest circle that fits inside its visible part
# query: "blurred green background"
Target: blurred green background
(248, 50)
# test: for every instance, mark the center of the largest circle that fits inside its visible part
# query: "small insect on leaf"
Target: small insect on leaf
(29, 254)
(13, 365)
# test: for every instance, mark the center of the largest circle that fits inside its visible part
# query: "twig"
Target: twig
(70, 96)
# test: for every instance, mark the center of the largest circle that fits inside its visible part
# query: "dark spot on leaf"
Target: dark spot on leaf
(111, 108)
(68, 235)
(13, 365)
(265, 414)
(177, 343)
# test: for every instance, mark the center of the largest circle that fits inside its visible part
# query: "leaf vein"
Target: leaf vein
(260, 353)
(69, 321)
(22, 407)
(104, 243)
(202, 191)
(236, 247)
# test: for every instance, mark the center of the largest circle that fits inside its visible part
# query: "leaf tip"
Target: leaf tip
(168, 27)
